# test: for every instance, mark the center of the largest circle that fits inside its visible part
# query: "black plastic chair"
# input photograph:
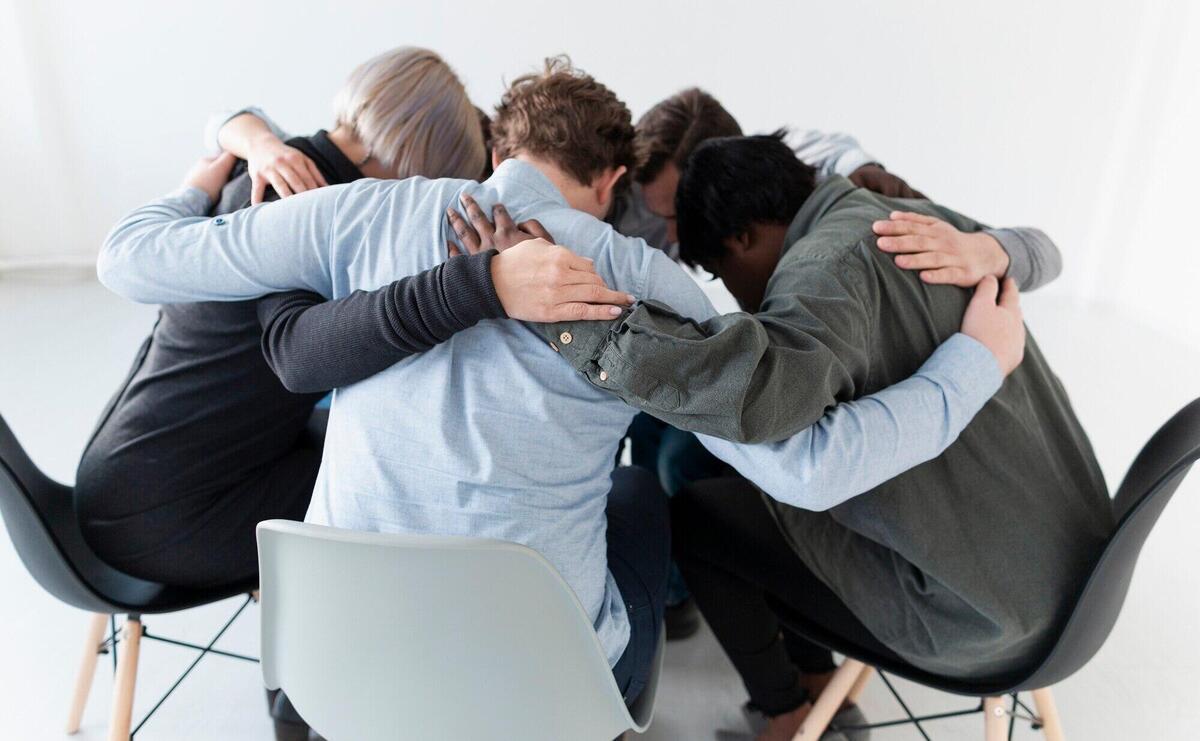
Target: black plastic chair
(1149, 484)
(40, 518)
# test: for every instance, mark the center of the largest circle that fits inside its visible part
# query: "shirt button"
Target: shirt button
(565, 338)
(603, 375)
(219, 221)
(554, 347)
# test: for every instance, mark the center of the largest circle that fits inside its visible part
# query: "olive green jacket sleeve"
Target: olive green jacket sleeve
(741, 377)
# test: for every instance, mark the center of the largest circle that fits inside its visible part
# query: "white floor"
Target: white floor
(64, 347)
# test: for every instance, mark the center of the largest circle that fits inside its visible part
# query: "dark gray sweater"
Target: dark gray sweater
(221, 390)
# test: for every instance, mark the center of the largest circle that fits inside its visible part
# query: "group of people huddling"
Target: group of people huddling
(873, 445)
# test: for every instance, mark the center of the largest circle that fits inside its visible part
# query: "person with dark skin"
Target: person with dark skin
(669, 132)
(924, 566)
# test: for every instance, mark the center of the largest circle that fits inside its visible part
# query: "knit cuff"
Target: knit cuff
(469, 291)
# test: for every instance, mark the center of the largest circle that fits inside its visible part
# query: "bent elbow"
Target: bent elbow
(114, 272)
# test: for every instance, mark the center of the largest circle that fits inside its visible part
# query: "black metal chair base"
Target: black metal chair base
(1018, 710)
(114, 639)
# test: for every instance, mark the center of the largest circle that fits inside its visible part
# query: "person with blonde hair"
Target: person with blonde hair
(205, 439)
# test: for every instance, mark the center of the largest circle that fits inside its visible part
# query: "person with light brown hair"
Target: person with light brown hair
(490, 434)
(214, 430)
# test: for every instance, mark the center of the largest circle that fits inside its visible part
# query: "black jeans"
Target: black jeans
(734, 557)
(639, 558)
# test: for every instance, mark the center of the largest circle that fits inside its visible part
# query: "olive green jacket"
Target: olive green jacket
(962, 564)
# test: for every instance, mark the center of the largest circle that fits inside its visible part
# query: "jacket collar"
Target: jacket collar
(828, 193)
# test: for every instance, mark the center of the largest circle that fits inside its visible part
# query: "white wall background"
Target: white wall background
(1076, 116)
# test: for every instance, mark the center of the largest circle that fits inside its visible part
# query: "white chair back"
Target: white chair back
(382, 636)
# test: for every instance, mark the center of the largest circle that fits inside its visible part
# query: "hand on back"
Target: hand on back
(874, 178)
(284, 168)
(535, 279)
(994, 318)
(942, 253)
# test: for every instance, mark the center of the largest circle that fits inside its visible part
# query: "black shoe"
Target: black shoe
(682, 620)
(289, 726)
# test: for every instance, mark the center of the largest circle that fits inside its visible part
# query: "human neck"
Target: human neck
(577, 195)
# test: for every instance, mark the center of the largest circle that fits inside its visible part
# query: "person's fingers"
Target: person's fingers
(913, 216)
(923, 261)
(315, 171)
(593, 294)
(900, 228)
(899, 245)
(576, 277)
(479, 220)
(1010, 297)
(504, 222)
(534, 228)
(581, 312)
(452, 249)
(578, 262)
(955, 276)
(258, 189)
(467, 235)
(294, 179)
(280, 186)
(302, 171)
(986, 291)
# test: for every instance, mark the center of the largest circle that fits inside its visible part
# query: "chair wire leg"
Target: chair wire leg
(203, 652)
(113, 623)
(915, 721)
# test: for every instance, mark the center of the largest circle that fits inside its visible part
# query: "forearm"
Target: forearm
(1034, 259)
(316, 345)
(858, 445)
(166, 252)
(734, 376)
(228, 130)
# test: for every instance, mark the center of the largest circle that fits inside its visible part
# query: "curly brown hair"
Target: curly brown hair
(565, 116)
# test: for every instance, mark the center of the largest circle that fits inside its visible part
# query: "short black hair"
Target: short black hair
(730, 183)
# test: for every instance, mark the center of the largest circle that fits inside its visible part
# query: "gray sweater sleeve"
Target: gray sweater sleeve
(315, 345)
(1034, 259)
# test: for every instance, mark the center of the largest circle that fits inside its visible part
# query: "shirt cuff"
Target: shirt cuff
(965, 367)
(583, 343)
(1011, 241)
(469, 290)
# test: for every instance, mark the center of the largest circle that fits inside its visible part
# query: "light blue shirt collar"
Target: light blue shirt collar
(527, 175)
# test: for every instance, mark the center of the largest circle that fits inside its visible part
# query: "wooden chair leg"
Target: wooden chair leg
(860, 684)
(87, 670)
(995, 719)
(127, 661)
(827, 705)
(1043, 701)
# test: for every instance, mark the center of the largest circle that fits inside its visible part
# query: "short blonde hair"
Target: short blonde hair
(411, 112)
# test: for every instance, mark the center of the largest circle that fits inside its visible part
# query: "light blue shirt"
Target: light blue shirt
(491, 434)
